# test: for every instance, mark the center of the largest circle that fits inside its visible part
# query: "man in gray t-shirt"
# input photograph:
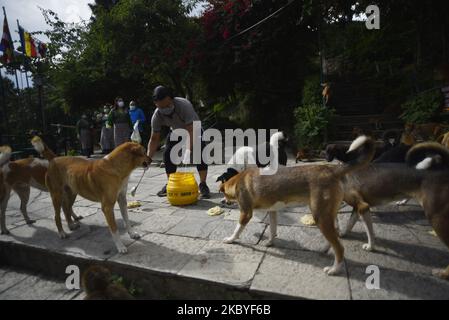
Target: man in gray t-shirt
(175, 113)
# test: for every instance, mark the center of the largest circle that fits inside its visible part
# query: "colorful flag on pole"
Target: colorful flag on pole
(6, 45)
(31, 47)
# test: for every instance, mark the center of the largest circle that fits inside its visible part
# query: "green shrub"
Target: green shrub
(312, 122)
(132, 289)
(311, 92)
(72, 153)
(422, 108)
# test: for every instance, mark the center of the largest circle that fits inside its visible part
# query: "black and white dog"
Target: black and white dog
(248, 156)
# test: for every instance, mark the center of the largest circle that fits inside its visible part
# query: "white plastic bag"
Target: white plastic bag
(135, 136)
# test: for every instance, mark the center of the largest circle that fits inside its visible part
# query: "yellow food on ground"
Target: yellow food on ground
(134, 204)
(308, 220)
(215, 211)
(433, 233)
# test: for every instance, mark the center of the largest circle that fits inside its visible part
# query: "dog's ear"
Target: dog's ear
(137, 149)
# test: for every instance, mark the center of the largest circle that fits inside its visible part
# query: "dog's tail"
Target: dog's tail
(428, 155)
(276, 137)
(5, 155)
(362, 149)
(242, 158)
(440, 138)
(40, 146)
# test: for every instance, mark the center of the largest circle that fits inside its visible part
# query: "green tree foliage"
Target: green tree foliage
(312, 119)
(130, 47)
(256, 77)
(423, 108)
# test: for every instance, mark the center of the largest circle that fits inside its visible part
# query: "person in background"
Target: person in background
(97, 121)
(120, 121)
(84, 134)
(107, 134)
(136, 114)
(175, 113)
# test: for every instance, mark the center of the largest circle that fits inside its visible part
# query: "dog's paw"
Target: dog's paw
(368, 247)
(343, 233)
(228, 240)
(333, 270)
(63, 235)
(31, 221)
(122, 249)
(134, 235)
(269, 243)
(440, 273)
(74, 225)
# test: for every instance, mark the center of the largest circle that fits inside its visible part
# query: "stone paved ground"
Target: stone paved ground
(187, 243)
(21, 285)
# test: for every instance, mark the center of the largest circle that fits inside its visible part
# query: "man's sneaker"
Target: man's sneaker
(204, 190)
(163, 192)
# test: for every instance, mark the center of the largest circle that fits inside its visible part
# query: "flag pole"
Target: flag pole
(4, 115)
(15, 71)
(17, 81)
(24, 54)
(25, 64)
(26, 77)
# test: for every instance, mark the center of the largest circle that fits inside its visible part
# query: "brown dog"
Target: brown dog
(20, 175)
(319, 186)
(104, 180)
(97, 284)
(425, 178)
(425, 131)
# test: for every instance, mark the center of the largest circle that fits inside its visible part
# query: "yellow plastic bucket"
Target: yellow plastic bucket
(182, 189)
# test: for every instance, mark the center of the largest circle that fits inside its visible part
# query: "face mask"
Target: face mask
(167, 111)
(121, 104)
(132, 107)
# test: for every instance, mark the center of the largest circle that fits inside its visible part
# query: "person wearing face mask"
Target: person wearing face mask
(107, 134)
(120, 121)
(175, 113)
(136, 114)
(84, 134)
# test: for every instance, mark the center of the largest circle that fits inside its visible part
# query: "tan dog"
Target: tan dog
(20, 176)
(319, 186)
(104, 180)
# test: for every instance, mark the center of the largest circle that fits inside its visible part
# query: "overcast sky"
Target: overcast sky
(30, 17)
